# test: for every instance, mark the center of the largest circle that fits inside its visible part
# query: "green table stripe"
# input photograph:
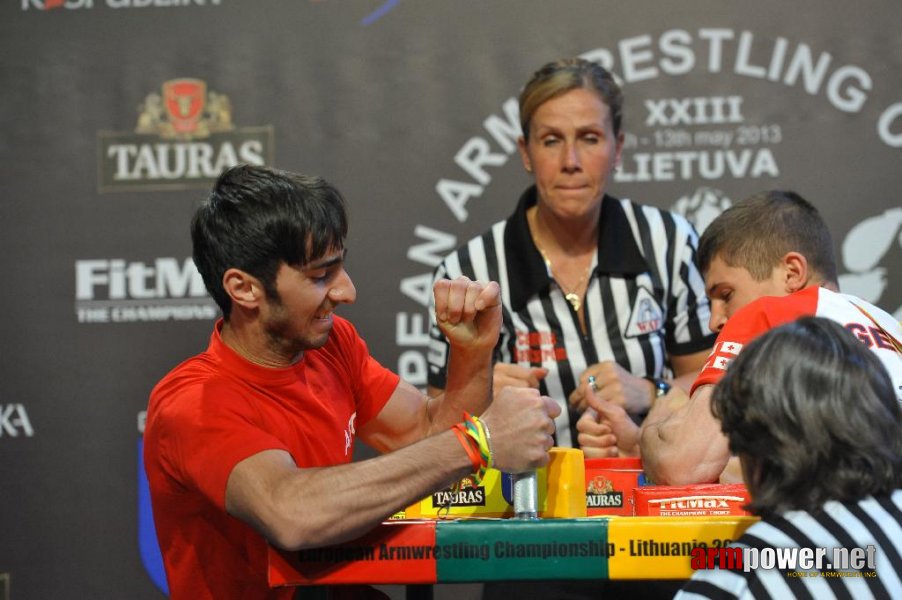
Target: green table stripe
(512, 550)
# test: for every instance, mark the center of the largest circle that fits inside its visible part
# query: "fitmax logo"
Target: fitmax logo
(121, 279)
(115, 290)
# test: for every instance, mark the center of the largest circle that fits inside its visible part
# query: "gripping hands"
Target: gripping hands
(522, 425)
(605, 429)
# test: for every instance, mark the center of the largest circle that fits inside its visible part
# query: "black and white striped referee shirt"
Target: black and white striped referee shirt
(645, 299)
(875, 522)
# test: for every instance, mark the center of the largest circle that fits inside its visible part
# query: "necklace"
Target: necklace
(570, 295)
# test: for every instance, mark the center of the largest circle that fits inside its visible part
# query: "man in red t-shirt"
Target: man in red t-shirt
(766, 261)
(249, 443)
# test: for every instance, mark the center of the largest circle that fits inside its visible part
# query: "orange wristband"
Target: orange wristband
(472, 453)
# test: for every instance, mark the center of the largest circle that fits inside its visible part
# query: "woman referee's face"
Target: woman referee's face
(572, 152)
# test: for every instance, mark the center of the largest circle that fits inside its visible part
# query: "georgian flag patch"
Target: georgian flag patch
(723, 354)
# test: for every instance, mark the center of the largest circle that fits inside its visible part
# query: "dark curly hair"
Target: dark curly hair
(257, 218)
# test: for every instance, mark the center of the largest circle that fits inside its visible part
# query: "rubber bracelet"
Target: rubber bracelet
(488, 442)
(464, 440)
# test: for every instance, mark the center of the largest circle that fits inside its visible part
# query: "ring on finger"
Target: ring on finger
(592, 384)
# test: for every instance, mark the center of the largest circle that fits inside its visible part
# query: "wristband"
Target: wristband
(488, 442)
(473, 435)
(466, 442)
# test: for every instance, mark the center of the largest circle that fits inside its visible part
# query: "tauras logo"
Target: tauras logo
(116, 290)
(184, 137)
(14, 421)
(463, 497)
(609, 500)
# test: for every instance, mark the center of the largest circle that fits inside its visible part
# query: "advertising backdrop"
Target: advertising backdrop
(117, 114)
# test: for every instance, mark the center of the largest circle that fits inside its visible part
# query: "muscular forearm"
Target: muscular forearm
(685, 381)
(681, 442)
(665, 463)
(301, 508)
(468, 388)
(323, 506)
(653, 449)
(469, 315)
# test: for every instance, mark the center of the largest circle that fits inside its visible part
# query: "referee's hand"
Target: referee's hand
(609, 381)
(605, 429)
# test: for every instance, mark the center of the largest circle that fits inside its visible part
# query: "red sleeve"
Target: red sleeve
(373, 384)
(201, 444)
(748, 323)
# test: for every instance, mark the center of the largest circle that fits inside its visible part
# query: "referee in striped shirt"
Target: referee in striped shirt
(596, 290)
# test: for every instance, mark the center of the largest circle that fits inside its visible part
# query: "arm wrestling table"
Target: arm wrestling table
(422, 552)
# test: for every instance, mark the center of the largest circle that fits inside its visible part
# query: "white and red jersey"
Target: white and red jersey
(772, 311)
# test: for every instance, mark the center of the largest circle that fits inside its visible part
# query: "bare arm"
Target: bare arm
(687, 367)
(469, 313)
(302, 508)
(681, 441)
